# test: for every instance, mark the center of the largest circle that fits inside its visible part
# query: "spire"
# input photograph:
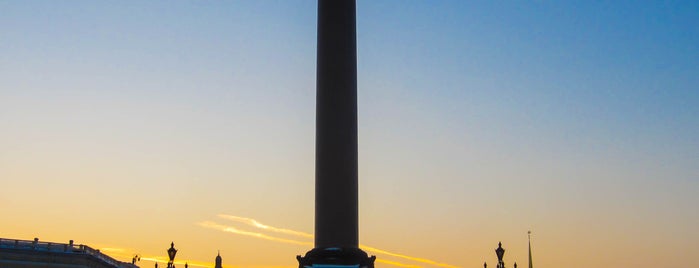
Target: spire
(529, 234)
(219, 262)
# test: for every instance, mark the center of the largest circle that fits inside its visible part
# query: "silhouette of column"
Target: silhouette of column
(336, 126)
(336, 201)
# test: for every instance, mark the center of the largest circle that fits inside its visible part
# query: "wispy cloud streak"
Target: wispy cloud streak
(259, 225)
(427, 261)
(230, 229)
(395, 263)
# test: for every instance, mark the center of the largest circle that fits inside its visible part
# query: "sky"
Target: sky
(126, 125)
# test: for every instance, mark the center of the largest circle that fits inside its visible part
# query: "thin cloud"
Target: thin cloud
(427, 261)
(259, 225)
(399, 264)
(231, 229)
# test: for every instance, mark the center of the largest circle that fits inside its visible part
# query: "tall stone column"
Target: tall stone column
(336, 197)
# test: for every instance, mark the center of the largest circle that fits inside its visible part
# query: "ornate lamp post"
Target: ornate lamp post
(171, 252)
(500, 252)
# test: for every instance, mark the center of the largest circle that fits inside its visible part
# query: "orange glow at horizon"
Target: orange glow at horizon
(119, 253)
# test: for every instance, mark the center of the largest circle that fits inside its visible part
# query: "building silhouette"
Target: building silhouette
(15, 253)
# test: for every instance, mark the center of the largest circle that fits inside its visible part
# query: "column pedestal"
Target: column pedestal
(336, 257)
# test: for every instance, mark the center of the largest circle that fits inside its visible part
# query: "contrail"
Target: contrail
(379, 251)
(120, 252)
(260, 225)
(399, 264)
(230, 229)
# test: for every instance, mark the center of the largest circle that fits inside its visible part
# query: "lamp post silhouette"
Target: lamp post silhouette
(171, 252)
(336, 199)
(500, 252)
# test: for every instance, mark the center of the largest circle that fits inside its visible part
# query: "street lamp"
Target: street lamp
(500, 252)
(171, 252)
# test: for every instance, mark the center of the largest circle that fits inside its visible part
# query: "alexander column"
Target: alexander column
(336, 201)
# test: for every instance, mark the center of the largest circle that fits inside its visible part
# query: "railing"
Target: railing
(37, 245)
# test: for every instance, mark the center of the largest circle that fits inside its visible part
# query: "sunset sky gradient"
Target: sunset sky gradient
(125, 125)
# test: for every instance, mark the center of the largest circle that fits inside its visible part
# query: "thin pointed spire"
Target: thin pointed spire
(219, 260)
(529, 234)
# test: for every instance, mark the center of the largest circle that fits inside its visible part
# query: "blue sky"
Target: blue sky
(577, 120)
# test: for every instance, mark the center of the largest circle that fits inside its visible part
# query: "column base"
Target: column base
(336, 257)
